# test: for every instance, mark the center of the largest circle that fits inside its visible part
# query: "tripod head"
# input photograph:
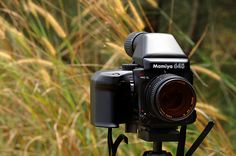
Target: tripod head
(158, 136)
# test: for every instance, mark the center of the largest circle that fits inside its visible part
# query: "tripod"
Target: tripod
(158, 136)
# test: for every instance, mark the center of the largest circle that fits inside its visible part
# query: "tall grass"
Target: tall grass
(48, 52)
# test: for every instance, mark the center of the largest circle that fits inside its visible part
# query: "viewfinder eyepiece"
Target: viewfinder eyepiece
(129, 44)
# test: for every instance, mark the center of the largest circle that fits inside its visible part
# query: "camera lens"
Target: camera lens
(172, 97)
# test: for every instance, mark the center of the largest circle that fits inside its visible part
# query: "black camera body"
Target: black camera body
(154, 91)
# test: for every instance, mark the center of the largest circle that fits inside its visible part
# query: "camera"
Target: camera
(155, 91)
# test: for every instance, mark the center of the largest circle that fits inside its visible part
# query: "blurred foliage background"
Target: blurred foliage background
(50, 49)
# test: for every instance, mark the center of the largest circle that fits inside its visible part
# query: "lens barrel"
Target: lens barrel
(170, 97)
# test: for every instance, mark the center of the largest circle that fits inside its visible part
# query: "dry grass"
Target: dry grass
(44, 81)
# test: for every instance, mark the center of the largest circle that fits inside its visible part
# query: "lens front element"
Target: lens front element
(175, 99)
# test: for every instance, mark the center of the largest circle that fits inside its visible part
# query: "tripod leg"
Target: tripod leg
(182, 138)
(200, 138)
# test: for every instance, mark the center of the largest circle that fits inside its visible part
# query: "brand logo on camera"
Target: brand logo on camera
(169, 66)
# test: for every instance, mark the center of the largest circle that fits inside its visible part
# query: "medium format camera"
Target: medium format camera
(155, 91)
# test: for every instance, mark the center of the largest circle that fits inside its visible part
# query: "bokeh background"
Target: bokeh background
(50, 48)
